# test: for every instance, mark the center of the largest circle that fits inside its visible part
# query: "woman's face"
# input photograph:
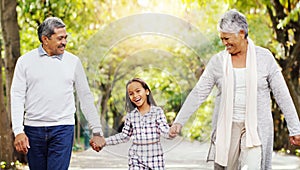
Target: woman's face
(137, 94)
(232, 42)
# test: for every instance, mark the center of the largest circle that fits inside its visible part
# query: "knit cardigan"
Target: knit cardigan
(269, 79)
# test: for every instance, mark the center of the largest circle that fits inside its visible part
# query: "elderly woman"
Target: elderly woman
(244, 75)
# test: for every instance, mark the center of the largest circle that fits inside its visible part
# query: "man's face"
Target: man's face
(55, 45)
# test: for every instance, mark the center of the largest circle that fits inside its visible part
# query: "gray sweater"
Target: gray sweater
(269, 79)
(42, 91)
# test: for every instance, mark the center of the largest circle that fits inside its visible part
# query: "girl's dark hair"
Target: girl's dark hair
(129, 106)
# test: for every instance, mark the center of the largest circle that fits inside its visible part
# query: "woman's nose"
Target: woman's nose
(224, 42)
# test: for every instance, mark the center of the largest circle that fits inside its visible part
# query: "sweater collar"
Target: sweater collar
(42, 53)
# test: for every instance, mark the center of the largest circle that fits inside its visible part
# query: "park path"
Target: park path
(180, 154)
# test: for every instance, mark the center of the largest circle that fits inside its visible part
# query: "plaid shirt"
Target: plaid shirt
(145, 130)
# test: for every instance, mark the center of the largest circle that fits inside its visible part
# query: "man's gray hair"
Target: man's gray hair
(48, 26)
(233, 22)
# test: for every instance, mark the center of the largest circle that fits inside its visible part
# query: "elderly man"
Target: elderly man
(43, 104)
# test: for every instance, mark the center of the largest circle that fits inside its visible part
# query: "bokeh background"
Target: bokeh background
(165, 42)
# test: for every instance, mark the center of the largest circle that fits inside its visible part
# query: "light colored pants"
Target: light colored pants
(240, 157)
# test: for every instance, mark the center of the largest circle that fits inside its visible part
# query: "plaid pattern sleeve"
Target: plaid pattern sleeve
(162, 124)
(122, 137)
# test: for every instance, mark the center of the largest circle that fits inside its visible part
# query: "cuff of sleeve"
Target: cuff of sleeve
(107, 141)
(178, 122)
(18, 131)
(293, 134)
(98, 131)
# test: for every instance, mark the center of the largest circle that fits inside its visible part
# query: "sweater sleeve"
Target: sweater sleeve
(283, 98)
(18, 91)
(198, 94)
(86, 99)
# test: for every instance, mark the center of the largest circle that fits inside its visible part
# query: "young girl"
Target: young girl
(145, 122)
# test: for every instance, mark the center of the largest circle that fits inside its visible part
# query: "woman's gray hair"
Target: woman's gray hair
(48, 26)
(233, 22)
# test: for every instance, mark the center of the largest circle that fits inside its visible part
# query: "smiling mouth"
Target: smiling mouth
(137, 100)
(228, 47)
(62, 46)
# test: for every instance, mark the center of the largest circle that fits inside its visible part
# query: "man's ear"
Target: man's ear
(45, 39)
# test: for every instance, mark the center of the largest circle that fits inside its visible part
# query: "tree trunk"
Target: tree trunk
(10, 33)
(290, 68)
(6, 147)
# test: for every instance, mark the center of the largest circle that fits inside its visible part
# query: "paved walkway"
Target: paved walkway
(179, 155)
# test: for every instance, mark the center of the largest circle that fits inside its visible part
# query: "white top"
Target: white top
(42, 91)
(239, 104)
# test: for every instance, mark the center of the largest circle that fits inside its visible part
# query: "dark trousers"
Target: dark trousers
(50, 147)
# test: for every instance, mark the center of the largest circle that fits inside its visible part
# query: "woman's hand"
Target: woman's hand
(175, 130)
(295, 140)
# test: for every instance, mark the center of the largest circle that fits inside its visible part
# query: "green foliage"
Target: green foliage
(292, 16)
(169, 66)
(153, 66)
(297, 152)
(78, 16)
(170, 83)
(12, 166)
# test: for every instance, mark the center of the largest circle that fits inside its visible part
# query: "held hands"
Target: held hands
(175, 130)
(21, 143)
(295, 140)
(97, 143)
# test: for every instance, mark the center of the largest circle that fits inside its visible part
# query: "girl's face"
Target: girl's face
(137, 94)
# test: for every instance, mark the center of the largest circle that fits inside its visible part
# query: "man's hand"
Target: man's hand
(295, 140)
(22, 143)
(97, 143)
(175, 130)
